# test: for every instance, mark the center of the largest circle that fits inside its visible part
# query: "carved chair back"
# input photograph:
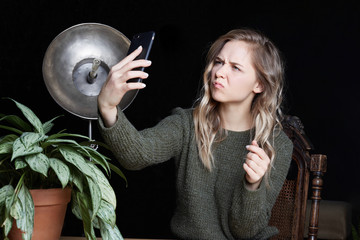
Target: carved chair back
(288, 213)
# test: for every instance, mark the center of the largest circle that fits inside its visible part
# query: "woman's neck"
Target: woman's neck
(235, 118)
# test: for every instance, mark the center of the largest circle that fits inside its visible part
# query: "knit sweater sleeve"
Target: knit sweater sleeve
(138, 149)
(251, 210)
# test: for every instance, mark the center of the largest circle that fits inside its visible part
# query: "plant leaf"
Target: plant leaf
(31, 138)
(48, 125)
(38, 162)
(26, 145)
(61, 170)
(67, 142)
(8, 138)
(76, 179)
(20, 163)
(96, 157)
(118, 172)
(109, 233)
(17, 123)
(16, 210)
(6, 143)
(75, 207)
(30, 116)
(6, 195)
(5, 192)
(11, 129)
(85, 216)
(95, 192)
(107, 192)
(62, 134)
(77, 160)
(107, 213)
(7, 225)
(26, 224)
(96, 223)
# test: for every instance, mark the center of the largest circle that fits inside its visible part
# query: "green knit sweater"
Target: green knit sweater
(210, 205)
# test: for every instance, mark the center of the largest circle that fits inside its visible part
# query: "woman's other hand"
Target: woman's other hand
(116, 85)
(256, 164)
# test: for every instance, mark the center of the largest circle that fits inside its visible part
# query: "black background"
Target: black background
(319, 41)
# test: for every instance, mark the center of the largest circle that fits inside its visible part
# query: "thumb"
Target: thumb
(254, 142)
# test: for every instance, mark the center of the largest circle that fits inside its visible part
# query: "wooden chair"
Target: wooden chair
(288, 214)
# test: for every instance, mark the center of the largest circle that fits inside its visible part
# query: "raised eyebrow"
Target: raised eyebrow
(217, 58)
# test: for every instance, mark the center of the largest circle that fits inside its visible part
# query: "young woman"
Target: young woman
(230, 153)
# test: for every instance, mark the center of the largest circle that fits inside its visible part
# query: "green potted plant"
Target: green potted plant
(30, 158)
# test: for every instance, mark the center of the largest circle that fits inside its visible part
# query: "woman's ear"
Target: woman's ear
(258, 88)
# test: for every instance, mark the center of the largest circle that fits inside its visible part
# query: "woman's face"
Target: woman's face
(233, 77)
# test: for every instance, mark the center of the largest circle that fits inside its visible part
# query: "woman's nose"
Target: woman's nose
(221, 71)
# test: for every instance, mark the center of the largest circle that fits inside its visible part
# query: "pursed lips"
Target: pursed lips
(218, 84)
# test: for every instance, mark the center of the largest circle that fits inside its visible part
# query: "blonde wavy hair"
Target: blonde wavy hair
(266, 106)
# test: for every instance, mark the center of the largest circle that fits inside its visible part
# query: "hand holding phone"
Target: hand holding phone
(145, 40)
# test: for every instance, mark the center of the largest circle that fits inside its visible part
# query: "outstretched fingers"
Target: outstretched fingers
(117, 85)
(127, 59)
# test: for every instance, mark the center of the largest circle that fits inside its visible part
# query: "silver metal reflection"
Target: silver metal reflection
(77, 63)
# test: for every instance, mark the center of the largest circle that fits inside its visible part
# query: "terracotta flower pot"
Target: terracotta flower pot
(50, 209)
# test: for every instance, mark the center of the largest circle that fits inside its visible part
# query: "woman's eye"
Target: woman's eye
(216, 62)
(237, 68)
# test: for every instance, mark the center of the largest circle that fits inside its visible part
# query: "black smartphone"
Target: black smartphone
(145, 40)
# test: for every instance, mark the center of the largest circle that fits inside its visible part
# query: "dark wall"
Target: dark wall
(319, 41)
